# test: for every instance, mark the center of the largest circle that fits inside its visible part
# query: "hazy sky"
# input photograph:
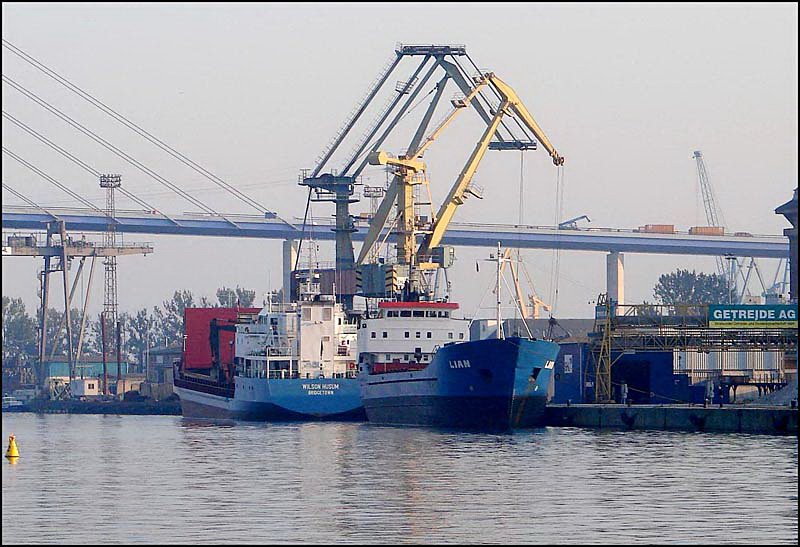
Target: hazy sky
(254, 92)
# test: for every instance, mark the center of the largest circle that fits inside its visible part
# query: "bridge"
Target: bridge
(608, 240)
(615, 242)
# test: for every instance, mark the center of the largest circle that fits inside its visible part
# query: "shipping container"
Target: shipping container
(707, 231)
(657, 228)
(197, 328)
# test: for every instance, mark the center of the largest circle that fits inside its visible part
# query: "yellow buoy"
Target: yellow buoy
(12, 452)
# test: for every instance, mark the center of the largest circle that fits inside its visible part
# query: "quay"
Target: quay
(727, 419)
(171, 407)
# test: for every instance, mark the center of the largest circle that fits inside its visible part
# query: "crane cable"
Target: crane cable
(556, 260)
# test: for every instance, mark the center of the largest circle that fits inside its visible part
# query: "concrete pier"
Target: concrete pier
(730, 419)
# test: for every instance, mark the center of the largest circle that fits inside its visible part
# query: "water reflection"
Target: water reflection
(161, 479)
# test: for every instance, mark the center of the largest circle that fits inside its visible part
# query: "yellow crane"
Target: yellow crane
(509, 103)
(411, 172)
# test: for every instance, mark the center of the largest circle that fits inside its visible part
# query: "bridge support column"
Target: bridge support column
(615, 276)
(289, 260)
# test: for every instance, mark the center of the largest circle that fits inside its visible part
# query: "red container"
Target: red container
(197, 327)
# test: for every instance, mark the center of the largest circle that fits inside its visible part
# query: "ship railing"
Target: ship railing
(279, 351)
(282, 374)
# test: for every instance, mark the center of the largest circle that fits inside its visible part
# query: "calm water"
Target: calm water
(164, 479)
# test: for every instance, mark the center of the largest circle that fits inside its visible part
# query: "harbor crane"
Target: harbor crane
(411, 172)
(733, 273)
(492, 101)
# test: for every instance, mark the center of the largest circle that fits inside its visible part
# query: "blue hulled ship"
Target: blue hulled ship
(418, 368)
(293, 361)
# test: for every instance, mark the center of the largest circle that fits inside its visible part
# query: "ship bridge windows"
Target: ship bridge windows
(385, 334)
(372, 334)
(405, 313)
(418, 334)
(429, 334)
(306, 314)
(407, 334)
(419, 313)
(327, 314)
(392, 313)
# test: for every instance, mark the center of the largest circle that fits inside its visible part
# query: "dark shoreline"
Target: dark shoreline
(172, 408)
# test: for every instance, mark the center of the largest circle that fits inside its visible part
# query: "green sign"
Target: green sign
(778, 316)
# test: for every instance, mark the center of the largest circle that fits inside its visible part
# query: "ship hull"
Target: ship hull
(259, 399)
(485, 384)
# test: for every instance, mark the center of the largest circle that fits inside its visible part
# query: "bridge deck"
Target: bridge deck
(476, 235)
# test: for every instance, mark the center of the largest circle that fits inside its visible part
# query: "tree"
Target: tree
(685, 287)
(19, 332)
(57, 339)
(138, 328)
(230, 298)
(170, 318)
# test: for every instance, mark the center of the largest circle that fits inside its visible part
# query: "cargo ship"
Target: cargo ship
(418, 368)
(417, 365)
(286, 362)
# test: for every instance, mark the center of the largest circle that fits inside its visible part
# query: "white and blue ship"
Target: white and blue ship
(295, 361)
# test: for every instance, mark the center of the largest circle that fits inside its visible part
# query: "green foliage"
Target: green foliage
(170, 318)
(19, 332)
(685, 287)
(138, 328)
(163, 325)
(57, 332)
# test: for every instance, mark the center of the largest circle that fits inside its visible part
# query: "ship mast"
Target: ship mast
(497, 290)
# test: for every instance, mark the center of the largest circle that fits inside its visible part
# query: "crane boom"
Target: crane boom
(520, 110)
(456, 195)
(510, 102)
(409, 165)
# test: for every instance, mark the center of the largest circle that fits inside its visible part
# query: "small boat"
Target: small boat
(12, 404)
